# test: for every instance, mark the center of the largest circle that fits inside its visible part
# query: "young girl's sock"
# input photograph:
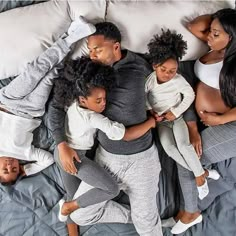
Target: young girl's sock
(61, 217)
(203, 190)
(79, 29)
(213, 174)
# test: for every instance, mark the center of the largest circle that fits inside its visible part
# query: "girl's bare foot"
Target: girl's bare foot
(69, 207)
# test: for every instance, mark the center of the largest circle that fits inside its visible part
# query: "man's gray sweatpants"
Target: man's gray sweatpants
(138, 177)
(28, 93)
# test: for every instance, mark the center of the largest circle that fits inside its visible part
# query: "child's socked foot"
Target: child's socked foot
(79, 29)
(203, 190)
(212, 174)
(61, 216)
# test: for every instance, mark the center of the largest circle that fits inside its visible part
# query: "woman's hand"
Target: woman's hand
(67, 156)
(210, 118)
(195, 137)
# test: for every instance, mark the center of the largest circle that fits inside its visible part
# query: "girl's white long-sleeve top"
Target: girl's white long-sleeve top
(16, 141)
(175, 95)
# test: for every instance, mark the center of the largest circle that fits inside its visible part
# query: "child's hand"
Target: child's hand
(159, 118)
(169, 116)
(22, 170)
(67, 156)
(156, 116)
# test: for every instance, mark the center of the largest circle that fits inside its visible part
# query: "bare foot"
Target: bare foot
(69, 207)
(206, 174)
(179, 215)
(200, 180)
(188, 217)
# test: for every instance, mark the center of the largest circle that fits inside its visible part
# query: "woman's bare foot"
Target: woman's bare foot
(187, 220)
(69, 207)
(188, 217)
(179, 215)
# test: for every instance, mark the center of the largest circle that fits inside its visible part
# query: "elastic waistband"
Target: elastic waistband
(140, 155)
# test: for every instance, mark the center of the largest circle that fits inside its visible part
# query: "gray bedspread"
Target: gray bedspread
(29, 208)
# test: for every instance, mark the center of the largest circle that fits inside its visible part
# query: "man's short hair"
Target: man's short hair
(108, 30)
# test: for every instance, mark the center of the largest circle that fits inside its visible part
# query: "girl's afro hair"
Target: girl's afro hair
(165, 46)
(78, 77)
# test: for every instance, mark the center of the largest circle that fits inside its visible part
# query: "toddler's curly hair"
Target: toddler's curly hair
(165, 46)
(79, 77)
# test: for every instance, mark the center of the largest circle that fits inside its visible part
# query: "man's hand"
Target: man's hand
(67, 156)
(169, 116)
(210, 118)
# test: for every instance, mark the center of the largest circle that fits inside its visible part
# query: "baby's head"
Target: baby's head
(87, 82)
(9, 170)
(165, 51)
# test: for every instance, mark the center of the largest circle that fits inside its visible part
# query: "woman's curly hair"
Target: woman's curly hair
(79, 77)
(165, 46)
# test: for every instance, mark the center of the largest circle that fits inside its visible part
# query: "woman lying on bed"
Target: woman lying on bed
(215, 105)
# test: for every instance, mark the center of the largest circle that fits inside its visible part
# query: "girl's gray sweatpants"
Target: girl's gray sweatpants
(174, 137)
(104, 185)
(28, 93)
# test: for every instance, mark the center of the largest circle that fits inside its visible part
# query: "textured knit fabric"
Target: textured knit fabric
(209, 74)
(82, 125)
(26, 96)
(136, 174)
(175, 95)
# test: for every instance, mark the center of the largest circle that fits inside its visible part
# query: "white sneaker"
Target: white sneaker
(170, 222)
(61, 217)
(180, 227)
(79, 29)
(213, 174)
(203, 190)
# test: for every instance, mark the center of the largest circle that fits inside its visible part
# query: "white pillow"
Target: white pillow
(140, 20)
(94, 11)
(28, 31)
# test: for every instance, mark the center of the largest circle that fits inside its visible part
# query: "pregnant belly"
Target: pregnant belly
(209, 99)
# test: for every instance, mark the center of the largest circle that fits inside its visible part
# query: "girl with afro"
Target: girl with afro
(82, 89)
(168, 96)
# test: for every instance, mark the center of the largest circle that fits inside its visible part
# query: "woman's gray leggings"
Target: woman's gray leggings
(105, 187)
(218, 148)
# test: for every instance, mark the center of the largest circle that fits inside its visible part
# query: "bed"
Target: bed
(30, 206)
